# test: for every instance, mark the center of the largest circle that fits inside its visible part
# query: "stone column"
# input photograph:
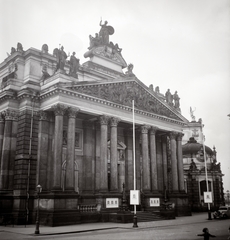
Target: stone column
(98, 158)
(113, 154)
(2, 125)
(145, 159)
(59, 111)
(180, 162)
(173, 136)
(42, 154)
(159, 164)
(129, 160)
(88, 157)
(5, 158)
(164, 156)
(104, 159)
(153, 159)
(70, 158)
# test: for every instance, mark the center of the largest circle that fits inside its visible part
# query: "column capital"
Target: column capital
(114, 121)
(153, 130)
(43, 116)
(104, 120)
(173, 135)
(59, 109)
(179, 136)
(10, 115)
(72, 112)
(145, 129)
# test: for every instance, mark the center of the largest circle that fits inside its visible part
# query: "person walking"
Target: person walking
(206, 234)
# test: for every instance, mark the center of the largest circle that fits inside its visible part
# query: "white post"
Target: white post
(206, 171)
(134, 160)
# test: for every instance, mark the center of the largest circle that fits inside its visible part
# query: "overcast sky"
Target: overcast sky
(182, 45)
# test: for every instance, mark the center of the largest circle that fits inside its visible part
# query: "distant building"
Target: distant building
(194, 169)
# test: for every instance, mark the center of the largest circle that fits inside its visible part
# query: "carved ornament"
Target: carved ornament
(145, 129)
(153, 130)
(59, 109)
(173, 135)
(43, 115)
(179, 136)
(104, 120)
(114, 121)
(72, 112)
(123, 93)
(10, 115)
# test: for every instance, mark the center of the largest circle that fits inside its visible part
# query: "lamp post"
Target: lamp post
(39, 190)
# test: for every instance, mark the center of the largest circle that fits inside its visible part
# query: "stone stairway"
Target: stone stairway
(149, 216)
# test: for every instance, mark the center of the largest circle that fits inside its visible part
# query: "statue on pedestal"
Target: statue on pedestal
(169, 97)
(176, 100)
(74, 65)
(105, 31)
(61, 57)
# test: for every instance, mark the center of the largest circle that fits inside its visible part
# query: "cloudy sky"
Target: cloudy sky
(182, 45)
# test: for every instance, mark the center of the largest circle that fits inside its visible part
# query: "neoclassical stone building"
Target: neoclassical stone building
(68, 127)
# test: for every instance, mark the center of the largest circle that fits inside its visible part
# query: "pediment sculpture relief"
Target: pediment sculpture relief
(124, 93)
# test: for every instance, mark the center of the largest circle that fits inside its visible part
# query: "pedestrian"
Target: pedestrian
(206, 234)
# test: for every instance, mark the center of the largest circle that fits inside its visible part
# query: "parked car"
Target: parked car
(222, 212)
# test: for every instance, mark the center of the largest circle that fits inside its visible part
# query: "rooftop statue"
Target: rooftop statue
(191, 114)
(105, 31)
(74, 65)
(94, 41)
(176, 100)
(61, 57)
(130, 73)
(19, 47)
(169, 97)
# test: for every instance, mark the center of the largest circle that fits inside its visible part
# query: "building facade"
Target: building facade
(69, 127)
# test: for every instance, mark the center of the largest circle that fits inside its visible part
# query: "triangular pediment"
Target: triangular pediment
(123, 92)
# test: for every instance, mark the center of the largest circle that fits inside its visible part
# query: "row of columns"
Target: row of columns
(154, 165)
(43, 149)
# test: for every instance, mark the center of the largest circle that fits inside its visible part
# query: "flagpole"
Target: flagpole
(206, 172)
(134, 169)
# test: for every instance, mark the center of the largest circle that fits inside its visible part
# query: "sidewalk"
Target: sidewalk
(86, 227)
